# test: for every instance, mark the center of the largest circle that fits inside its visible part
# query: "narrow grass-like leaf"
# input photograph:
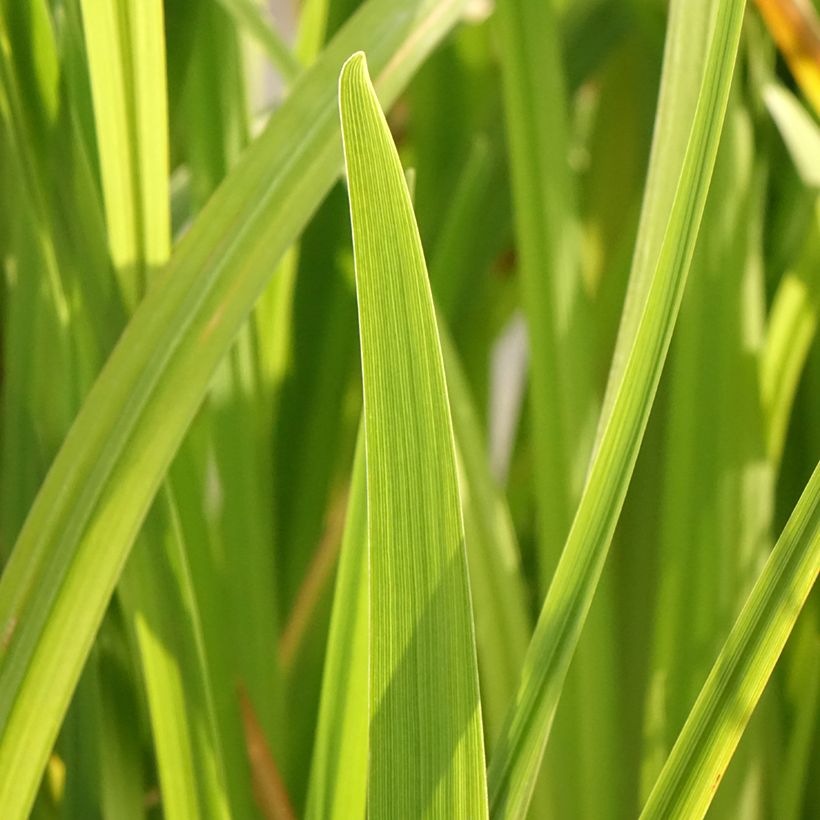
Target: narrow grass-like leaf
(684, 57)
(157, 591)
(69, 555)
(238, 428)
(562, 399)
(126, 55)
(503, 625)
(515, 763)
(338, 784)
(313, 20)
(792, 327)
(125, 44)
(692, 773)
(426, 741)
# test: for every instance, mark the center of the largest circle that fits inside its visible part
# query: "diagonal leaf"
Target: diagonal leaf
(69, 555)
(562, 400)
(426, 743)
(516, 761)
(126, 56)
(684, 56)
(692, 773)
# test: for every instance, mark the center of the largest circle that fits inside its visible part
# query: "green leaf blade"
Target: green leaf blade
(126, 53)
(427, 755)
(692, 773)
(338, 778)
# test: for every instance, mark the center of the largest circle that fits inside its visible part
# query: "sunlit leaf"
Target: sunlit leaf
(426, 740)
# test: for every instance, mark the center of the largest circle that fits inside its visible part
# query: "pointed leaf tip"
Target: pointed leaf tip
(426, 743)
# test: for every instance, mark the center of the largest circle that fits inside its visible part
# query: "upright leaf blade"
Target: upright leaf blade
(126, 55)
(427, 752)
(714, 438)
(562, 400)
(338, 777)
(563, 403)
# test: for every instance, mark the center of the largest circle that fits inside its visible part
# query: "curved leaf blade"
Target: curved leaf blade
(426, 741)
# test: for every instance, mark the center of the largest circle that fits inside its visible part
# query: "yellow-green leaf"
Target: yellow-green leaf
(426, 742)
